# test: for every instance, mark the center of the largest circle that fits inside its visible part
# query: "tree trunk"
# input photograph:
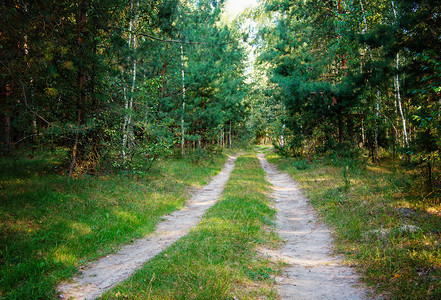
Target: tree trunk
(398, 94)
(183, 102)
(229, 137)
(266, 136)
(183, 89)
(363, 138)
(81, 84)
(132, 91)
(128, 101)
(34, 114)
(350, 128)
(124, 129)
(400, 107)
(282, 136)
(6, 134)
(377, 113)
(377, 107)
(340, 127)
(429, 173)
(31, 107)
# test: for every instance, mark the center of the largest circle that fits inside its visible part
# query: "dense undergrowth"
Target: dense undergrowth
(218, 258)
(386, 222)
(49, 227)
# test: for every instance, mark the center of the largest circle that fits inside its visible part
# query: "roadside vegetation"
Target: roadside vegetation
(218, 259)
(49, 228)
(386, 223)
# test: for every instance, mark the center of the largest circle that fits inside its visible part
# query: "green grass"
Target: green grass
(218, 258)
(368, 207)
(48, 228)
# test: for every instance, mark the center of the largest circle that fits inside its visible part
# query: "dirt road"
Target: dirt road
(312, 272)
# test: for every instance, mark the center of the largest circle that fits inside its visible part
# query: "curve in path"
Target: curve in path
(105, 273)
(312, 272)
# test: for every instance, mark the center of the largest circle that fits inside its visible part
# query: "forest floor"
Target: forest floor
(306, 252)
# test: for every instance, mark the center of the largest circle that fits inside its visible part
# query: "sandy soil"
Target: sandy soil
(313, 272)
(105, 273)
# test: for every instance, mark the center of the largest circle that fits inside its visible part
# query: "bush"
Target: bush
(302, 165)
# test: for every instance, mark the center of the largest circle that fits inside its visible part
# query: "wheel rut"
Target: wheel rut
(108, 271)
(313, 272)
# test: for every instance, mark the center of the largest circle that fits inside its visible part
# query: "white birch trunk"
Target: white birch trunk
(183, 89)
(31, 85)
(126, 107)
(400, 107)
(183, 102)
(128, 101)
(397, 88)
(266, 136)
(282, 136)
(377, 114)
(362, 133)
(132, 91)
(229, 137)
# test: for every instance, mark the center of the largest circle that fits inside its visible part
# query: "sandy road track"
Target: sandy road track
(312, 272)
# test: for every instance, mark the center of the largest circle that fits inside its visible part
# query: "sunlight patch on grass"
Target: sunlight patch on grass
(63, 255)
(127, 217)
(378, 169)
(435, 211)
(80, 228)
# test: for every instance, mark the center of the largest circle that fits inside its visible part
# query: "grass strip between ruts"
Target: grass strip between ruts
(218, 258)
